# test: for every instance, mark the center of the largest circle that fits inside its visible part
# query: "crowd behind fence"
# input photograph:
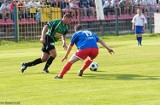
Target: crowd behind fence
(30, 16)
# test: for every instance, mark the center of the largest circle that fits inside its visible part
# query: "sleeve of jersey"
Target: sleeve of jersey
(51, 23)
(97, 39)
(74, 37)
(66, 31)
(133, 20)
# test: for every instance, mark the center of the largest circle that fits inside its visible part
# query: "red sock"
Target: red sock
(65, 69)
(86, 64)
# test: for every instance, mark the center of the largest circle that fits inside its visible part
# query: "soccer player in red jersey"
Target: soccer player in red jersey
(86, 42)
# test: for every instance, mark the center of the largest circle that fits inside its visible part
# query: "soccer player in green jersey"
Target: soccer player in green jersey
(51, 33)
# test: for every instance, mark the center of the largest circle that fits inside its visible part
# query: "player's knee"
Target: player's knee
(53, 55)
(44, 59)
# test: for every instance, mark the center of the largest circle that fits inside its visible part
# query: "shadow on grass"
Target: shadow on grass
(121, 77)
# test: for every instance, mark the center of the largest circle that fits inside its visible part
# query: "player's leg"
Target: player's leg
(137, 37)
(43, 58)
(140, 39)
(91, 55)
(137, 32)
(67, 66)
(52, 56)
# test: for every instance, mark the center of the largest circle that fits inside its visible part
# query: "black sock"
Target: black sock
(140, 40)
(35, 62)
(48, 63)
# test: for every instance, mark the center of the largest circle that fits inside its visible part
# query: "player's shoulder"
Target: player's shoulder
(142, 15)
(78, 33)
(55, 21)
(136, 15)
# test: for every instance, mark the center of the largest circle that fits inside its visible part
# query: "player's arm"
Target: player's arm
(68, 51)
(143, 27)
(64, 41)
(133, 23)
(133, 26)
(145, 22)
(44, 30)
(106, 46)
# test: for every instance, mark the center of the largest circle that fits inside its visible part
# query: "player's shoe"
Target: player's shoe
(46, 71)
(24, 67)
(80, 73)
(57, 77)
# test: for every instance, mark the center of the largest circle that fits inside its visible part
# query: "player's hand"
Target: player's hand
(65, 57)
(65, 46)
(42, 40)
(110, 51)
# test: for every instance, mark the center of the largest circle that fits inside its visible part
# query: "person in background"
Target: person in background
(5, 9)
(144, 5)
(107, 7)
(115, 4)
(21, 7)
(151, 5)
(138, 24)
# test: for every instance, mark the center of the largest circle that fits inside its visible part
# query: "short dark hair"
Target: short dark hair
(139, 8)
(67, 15)
(78, 27)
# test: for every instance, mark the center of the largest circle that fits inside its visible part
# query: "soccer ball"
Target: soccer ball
(93, 66)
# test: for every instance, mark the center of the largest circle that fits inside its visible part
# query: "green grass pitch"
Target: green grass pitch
(129, 77)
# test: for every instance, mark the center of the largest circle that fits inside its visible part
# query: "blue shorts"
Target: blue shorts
(139, 30)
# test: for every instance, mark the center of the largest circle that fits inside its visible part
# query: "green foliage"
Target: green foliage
(129, 77)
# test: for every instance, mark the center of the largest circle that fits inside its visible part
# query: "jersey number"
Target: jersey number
(88, 34)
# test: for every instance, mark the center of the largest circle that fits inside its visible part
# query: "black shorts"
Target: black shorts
(49, 45)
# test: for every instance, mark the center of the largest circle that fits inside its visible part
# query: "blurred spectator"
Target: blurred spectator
(38, 15)
(0, 10)
(40, 3)
(56, 4)
(88, 6)
(73, 6)
(115, 4)
(21, 8)
(48, 3)
(156, 6)
(26, 3)
(0, 3)
(138, 2)
(91, 7)
(144, 5)
(12, 5)
(126, 6)
(132, 5)
(107, 7)
(5, 9)
(151, 4)
(32, 3)
(64, 6)
(83, 5)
